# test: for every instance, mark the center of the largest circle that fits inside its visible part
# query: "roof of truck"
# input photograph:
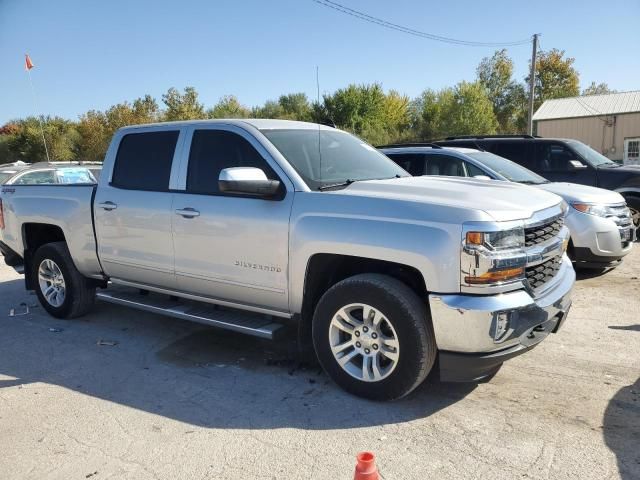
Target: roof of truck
(259, 123)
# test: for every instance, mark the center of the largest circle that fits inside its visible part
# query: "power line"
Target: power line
(429, 36)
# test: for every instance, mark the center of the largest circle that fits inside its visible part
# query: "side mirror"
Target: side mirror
(482, 177)
(247, 180)
(576, 165)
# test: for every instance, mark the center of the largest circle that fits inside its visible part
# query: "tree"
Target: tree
(7, 132)
(295, 106)
(597, 89)
(462, 110)
(471, 112)
(368, 112)
(228, 107)
(182, 106)
(96, 128)
(27, 144)
(507, 96)
(555, 77)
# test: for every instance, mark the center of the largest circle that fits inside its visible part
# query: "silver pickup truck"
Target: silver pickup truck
(253, 225)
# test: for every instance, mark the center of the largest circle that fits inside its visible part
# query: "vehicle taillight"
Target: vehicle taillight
(1, 216)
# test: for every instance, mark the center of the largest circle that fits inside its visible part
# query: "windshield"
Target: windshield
(508, 169)
(340, 158)
(589, 154)
(4, 176)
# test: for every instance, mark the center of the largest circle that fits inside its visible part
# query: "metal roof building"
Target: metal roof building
(609, 123)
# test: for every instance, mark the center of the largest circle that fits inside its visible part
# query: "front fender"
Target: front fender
(432, 249)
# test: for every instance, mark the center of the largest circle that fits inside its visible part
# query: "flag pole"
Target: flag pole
(35, 105)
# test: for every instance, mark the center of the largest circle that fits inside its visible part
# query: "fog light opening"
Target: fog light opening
(502, 322)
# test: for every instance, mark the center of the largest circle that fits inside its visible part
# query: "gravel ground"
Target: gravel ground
(165, 399)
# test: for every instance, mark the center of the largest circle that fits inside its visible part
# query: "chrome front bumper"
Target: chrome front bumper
(475, 324)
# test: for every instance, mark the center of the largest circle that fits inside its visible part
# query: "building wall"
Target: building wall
(597, 132)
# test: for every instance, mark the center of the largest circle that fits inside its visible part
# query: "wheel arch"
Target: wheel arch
(35, 235)
(326, 269)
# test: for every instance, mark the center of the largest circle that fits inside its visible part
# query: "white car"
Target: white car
(599, 220)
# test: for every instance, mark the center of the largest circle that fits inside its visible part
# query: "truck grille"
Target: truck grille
(540, 274)
(543, 232)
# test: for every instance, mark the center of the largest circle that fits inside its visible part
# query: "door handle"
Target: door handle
(108, 206)
(188, 212)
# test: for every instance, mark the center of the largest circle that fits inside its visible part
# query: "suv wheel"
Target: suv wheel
(373, 336)
(62, 290)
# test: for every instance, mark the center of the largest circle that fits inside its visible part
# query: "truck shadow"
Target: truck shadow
(621, 430)
(190, 373)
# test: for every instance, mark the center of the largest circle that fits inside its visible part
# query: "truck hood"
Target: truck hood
(503, 201)
(572, 192)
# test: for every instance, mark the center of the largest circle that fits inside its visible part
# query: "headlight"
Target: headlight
(493, 258)
(597, 209)
(500, 240)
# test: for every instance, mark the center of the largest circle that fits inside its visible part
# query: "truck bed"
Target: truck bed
(67, 207)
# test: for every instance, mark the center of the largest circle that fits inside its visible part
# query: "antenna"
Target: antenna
(319, 128)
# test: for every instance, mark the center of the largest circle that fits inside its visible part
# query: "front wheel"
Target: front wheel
(62, 290)
(373, 336)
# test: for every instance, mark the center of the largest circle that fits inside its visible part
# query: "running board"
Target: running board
(248, 323)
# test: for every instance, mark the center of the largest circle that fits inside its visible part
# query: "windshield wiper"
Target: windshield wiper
(329, 186)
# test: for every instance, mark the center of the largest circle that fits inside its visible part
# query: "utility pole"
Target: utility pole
(532, 83)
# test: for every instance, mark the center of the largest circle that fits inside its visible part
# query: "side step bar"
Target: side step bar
(248, 323)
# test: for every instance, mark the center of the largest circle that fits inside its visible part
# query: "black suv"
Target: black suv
(561, 160)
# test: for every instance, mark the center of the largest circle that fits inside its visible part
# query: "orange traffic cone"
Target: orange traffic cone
(366, 467)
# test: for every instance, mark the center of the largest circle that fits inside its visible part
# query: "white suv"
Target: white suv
(599, 220)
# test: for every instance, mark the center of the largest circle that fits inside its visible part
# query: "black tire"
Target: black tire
(405, 311)
(634, 204)
(80, 293)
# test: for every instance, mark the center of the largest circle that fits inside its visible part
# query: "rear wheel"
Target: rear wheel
(373, 337)
(62, 290)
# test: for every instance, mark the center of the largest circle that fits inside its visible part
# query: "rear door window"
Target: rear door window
(447, 165)
(414, 163)
(144, 161)
(517, 151)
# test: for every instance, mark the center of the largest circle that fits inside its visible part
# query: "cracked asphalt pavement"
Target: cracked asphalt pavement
(130, 395)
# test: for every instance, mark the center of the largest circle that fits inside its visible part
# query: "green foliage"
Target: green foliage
(27, 144)
(228, 107)
(7, 132)
(597, 89)
(555, 77)
(293, 106)
(463, 110)
(368, 112)
(507, 95)
(182, 106)
(96, 128)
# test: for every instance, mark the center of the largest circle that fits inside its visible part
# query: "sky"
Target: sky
(93, 54)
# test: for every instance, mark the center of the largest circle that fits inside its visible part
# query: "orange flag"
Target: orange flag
(28, 64)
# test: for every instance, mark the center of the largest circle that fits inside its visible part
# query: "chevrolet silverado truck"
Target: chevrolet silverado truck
(257, 225)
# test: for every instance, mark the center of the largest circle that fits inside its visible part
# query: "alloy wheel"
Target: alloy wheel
(364, 342)
(51, 282)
